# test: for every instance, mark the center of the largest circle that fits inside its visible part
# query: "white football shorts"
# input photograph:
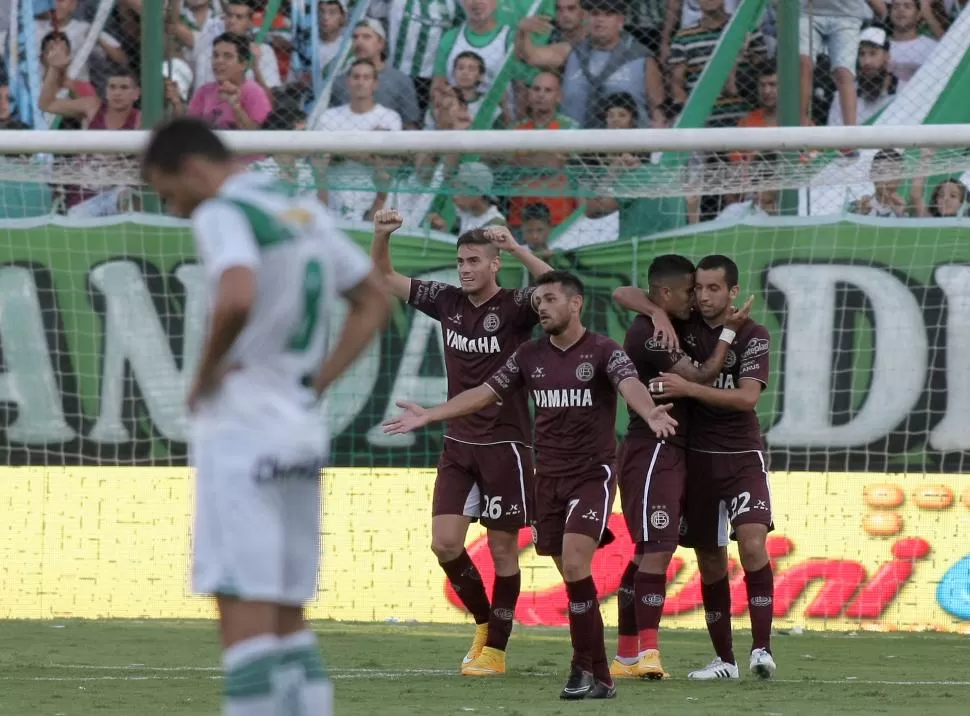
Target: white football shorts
(257, 518)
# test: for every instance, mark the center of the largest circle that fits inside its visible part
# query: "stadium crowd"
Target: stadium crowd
(428, 65)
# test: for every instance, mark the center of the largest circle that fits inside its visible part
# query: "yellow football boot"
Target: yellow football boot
(491, 662)
(619, 670)
(649, 666)
(478, 643)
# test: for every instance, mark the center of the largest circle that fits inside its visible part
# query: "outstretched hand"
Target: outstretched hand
(413, 418)
(661, 421)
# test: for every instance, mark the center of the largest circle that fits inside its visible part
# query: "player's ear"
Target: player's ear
(734, 292)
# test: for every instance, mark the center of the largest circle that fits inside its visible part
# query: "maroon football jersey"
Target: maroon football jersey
(574, 392)
(716, 429)
(478, 340)
(651, 359)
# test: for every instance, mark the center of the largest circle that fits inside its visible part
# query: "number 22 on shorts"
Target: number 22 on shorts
(739, 505)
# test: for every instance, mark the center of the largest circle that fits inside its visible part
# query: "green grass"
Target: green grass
(140, 668)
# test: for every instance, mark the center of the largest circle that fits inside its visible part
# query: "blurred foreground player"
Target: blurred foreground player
(653, 473)
(274, 267)
(485, 470)
(573, 376)
(727, 474)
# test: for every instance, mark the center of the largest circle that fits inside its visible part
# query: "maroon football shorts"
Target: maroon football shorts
(724, 490)
(579, 504)
(491, 483)
(652, 479)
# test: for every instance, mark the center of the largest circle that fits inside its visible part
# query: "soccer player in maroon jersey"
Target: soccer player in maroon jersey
(727, 479)
(653, 473)
(573, 376)
(485, 470)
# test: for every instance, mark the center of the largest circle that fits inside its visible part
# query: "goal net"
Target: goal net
(858, 260)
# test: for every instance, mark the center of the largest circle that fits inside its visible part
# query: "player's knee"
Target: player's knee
(712, 564)
(575, 566)
(447, 547)
(752, 550)
(504, 548)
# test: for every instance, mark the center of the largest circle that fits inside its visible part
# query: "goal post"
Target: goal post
(866, 298)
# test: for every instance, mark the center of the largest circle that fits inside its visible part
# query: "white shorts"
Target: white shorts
(257, 521)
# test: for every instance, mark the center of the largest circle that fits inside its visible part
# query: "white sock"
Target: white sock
(301, 677)
(248, 669)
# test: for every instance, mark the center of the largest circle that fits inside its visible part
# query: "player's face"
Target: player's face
(678, 296)
(556, 307)
(477, 266)
(181, 191)
(712, 293)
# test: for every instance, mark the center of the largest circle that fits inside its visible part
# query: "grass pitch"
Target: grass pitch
(129, 668)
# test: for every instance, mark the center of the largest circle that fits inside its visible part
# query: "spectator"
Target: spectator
(762, 201)
(332, 16)
(766, 115)
(684, 14)
(885, 201)
(481, 33)
(568, 30)
(7, 119)
(621, 112)
(691, 50)
(876, 84)
(62, 19)
(415, 38)
(55, 50)
(610, 61)
(231, 101)
(939, 15)
(117, 111)
(542, 173)
(833, 25)
(473, 188)
(295, 172)
(448, 107)
(361, 114)
(908, 49)
(238, 20)
(197, 22)
(536, 227)
(949, 197)
(395, 90)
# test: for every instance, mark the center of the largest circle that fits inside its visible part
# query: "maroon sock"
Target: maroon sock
(717, 613)
(650, 591)
(626, 609)
(583, 611)
(601, 668)
(467, 583)
(504, 596)
(761, 592)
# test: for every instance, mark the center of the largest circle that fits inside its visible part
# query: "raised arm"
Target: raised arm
(544, 57)
(656, 416)
(386, 222)
(415, 417)
(502, 237)
(709, 369)
(635, 299)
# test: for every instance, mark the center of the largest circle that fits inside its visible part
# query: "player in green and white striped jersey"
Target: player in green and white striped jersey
(273, 267)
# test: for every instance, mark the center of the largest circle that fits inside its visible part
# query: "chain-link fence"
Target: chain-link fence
(432, 65)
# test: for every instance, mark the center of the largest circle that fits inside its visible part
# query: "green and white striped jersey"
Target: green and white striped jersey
(416, 29)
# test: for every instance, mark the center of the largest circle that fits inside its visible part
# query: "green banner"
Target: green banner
(101, 325)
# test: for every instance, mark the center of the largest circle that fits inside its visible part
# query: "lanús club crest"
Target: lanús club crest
(491, 322)
(584, 371)
(730, 359)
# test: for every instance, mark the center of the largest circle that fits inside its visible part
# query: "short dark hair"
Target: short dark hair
(537, 211)
(767, 68)
(569, 281)
(469, 55)
(362, 61)
(52, 37)
(667, 267)
(284, 118)
(476, 237)
(888, 156)
(125, 72)
(176, 140)
(623, 100)
(719, 261)
(241, 44)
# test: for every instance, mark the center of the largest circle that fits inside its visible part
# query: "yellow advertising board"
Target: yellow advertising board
(851, 551)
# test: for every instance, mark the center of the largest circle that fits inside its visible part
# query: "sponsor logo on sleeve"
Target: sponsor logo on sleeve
(755, 347)
(618, 360)
(522, 295)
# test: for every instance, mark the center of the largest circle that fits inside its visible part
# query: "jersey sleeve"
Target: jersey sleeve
(754, 357)
(224, 238)
(619, 367)
(426, 296)
(643, 350)
(524, 301)
(508, 378)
